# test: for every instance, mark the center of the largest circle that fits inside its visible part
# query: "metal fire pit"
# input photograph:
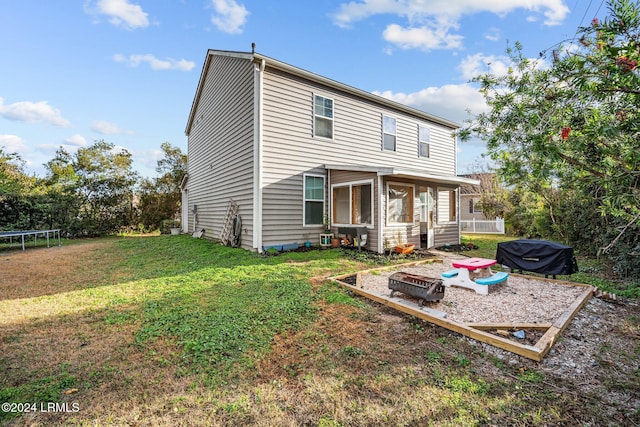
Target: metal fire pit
(425, 288)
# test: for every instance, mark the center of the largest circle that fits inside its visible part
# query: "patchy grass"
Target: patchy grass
(487, 244)
(170, 330)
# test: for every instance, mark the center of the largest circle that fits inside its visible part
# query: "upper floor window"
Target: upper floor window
(313, 199)
(424, 137)
(388, 133)
(322, 116)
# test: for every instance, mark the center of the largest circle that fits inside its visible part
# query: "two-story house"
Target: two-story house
(292, 148)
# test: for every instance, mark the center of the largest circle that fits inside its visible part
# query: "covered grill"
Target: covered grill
(537, 256)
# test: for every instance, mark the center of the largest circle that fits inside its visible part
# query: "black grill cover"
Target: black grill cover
(538, 256)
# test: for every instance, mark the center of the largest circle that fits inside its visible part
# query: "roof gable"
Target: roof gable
(266, 61)
(203, 76)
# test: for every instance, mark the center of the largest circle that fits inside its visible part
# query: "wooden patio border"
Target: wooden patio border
(477, 331)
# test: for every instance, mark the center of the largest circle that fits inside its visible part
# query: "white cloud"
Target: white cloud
(12, 144)
(430, 24)
(33, 112)
(105, 128)
(155, 63)
(453, 102)
(76, 140)
(492, 34)
(422, 38)
(477, 64)
(121, 13)
(229, 16)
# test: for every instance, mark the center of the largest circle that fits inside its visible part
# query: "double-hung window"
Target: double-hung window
(388, 133)
(322, 116)
(424, 137)
(313, 199)
(353, 203)
(400, 203)
(475, 206)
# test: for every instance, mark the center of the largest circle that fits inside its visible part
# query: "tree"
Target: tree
(574, 123)
(12, 176)
(93, 188)
(161, 197)
(492, 195)
(23, 204)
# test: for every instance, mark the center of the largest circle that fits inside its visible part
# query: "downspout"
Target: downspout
(457, 190)
(257, 154)
(458, 215)
(330, 198)
(380, 225)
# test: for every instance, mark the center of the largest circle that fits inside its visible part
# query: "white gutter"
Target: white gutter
(380, 225)
(257, 154)
(406, 173)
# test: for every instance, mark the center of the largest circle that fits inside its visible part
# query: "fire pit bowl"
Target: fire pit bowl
(425, 288)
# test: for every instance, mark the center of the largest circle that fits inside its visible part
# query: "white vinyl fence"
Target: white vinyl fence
(495, 226)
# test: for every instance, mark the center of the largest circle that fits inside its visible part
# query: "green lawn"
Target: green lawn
(171, 330)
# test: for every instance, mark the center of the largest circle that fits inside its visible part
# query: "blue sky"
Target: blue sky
(76, 71)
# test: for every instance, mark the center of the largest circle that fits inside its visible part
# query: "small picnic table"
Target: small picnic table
(479, 267)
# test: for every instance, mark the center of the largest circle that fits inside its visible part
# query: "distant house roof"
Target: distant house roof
(274, 63)
(478, 178)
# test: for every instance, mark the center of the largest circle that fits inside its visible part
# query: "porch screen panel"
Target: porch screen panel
(341, 210)
(361, 201)
(400, 209)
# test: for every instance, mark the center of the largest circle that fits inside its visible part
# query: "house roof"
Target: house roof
(477, 188)
(274, 63)
(406, 173)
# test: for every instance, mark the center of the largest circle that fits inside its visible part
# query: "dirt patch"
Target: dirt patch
(46, 271)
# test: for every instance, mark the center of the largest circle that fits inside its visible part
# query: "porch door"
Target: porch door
(427, 217)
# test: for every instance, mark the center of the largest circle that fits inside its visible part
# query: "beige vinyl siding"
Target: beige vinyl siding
(447, 234)
(220, 146)
(290, 149)
(466, 201)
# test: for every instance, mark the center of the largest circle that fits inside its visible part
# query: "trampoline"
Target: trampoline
(35, 233)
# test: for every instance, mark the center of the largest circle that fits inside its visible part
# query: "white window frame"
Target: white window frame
(394, 134)
(474, 209)
(351, 184)
(330, 119)
(411, 197)
(305, 200)
(424, 139)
